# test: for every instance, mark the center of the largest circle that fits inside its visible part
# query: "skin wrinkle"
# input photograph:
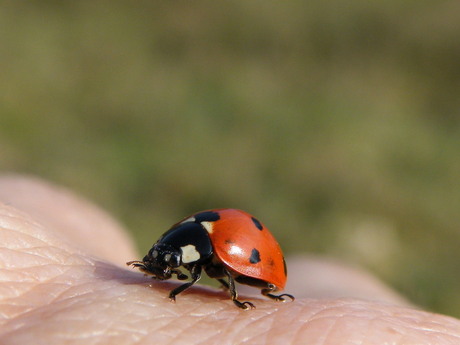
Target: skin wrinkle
(214, 338)
(108, 329)
(238, 324)
(39, 238)
(42, 274)
(184, 332)
(442, 332)
(58, 253)
(43, 252)
(315, 314)
(49, 281)
(11, 290)
(125, 321)
(17, 241)
(255, 321)
(326, 333)
(419, 325)
(338, 309)
(268, 327)
(60, 306)
(8, 276)
(264, 330)
(166, 329)
(228, 320)
(316, 329)
(254, 338)
(176, 327)
(335, 323)
(73, 292)
(10, 215)
(290, 320)
(392, 320)
(21, 223)
(286, 337)
(366, 331)
(161, 323)
(31, 270)
(22, 304)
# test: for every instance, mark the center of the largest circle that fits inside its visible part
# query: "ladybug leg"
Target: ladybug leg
(234, 294)
(179, 274)
(279, 298)
(224, 284)
(195, 272)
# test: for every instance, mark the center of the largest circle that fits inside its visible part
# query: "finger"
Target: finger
(79, 222)
(57, 294)
(320, 277)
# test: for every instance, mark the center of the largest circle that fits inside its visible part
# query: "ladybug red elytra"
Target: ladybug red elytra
(226, 243)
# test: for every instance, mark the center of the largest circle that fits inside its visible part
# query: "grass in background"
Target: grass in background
(337, 124)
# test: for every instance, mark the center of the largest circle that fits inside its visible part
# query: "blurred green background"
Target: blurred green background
(336, 123)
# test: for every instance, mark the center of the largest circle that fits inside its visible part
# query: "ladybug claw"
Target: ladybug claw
(278, 298)
(292, 298)
(248, 305)
(281, 298)
(244, 305)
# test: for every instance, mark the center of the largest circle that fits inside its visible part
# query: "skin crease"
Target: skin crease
(63, 280)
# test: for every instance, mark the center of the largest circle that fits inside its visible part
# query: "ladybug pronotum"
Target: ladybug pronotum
(226, 243)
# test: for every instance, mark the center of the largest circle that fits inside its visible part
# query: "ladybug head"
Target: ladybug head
(161, 261)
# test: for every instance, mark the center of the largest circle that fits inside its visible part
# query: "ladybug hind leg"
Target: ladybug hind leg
(278, 298)
(233, 294)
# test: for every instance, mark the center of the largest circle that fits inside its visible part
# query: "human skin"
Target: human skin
(63, 280)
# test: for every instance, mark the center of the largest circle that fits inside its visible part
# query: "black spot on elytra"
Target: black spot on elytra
(229, 242)
(207, 216)
(255, 256)
(257, 223)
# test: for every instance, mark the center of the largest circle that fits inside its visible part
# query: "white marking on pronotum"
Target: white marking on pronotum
(208, 226)
(189, 254)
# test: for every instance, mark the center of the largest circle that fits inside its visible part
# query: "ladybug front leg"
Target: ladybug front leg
(279, 298)
(195, 272)
(234, 294)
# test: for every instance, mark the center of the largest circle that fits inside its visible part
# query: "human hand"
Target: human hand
(63, 280)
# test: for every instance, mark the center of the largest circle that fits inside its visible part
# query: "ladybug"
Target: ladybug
(225, 243)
